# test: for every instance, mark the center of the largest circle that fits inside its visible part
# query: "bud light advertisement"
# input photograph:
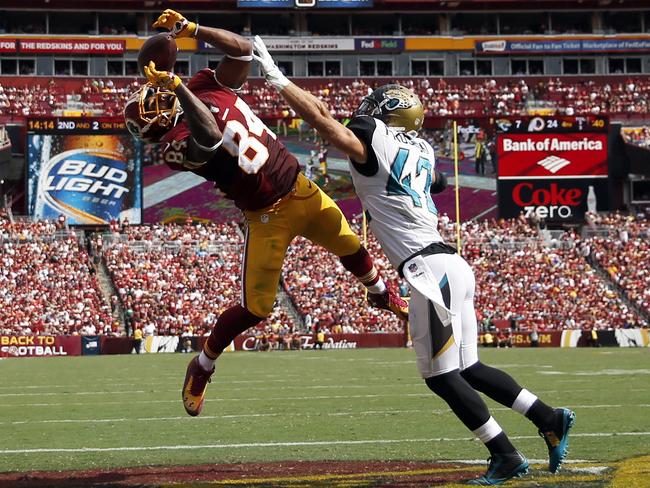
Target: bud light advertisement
(91, 179)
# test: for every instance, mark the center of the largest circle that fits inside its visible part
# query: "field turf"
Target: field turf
(117, 411)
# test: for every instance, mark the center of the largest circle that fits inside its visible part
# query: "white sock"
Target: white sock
(488, 431)
(524, 401)
(205, 362)
(379, 287)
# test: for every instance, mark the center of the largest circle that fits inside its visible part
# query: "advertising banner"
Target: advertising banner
(630, 337)
(155, 344)
(89, 177)
(33, 346)
(522, 339)
(539, 155)
(8, 45)
(562, 200)
(390, 45)
(90, 345)
(333, 341)
(71, 46)
(309, 44)
(304, 3)
(504, 46)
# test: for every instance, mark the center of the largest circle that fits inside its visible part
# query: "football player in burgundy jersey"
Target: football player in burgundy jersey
(207, 129)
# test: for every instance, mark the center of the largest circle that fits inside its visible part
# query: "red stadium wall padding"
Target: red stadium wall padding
(39, 346)
(116, 345)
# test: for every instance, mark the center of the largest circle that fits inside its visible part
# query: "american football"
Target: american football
(161, 49)
(325, 243)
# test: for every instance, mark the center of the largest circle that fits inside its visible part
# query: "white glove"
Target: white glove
(270, 70)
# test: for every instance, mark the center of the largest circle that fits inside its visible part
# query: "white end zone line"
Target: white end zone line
(263, 445)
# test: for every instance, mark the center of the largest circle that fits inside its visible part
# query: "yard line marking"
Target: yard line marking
(257, 445)
(315, 397)
(273, 388)
(76, 393)
(212, 417)
(279, 414)
(303, 398)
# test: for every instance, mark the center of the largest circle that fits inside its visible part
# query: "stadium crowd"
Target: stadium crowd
(478, 98)
(328, 296)
(167, 276)
(176, 279)
(96, 96)
(485, 97)
(624, 252)
(47, 284)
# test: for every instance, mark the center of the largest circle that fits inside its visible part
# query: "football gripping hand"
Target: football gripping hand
(163, 79)
(269, 69)
(178, 25)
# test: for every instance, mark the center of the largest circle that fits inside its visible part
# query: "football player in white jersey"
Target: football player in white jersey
(393, 171)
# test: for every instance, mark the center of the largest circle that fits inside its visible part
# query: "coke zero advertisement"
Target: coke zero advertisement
(552, 200)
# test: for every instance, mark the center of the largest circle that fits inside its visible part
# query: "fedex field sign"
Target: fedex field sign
(552, 155)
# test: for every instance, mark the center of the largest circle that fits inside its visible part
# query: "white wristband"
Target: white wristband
(207, 148)
(246, 57)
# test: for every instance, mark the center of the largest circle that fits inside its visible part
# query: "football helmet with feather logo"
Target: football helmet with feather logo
(151, 112)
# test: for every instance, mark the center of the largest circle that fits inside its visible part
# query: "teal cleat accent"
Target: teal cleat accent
(558, 444)
(501, 468)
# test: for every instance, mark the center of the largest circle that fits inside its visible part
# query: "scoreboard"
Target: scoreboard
(87, 169)
(554, 168)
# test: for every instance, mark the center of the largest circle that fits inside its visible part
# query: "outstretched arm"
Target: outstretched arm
(233, 69)
(206, 136)
(312, 110)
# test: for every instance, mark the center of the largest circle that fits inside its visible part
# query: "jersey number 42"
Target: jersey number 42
(400, 183)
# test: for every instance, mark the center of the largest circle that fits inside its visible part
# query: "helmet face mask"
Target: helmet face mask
(151, 112)
(396, 106)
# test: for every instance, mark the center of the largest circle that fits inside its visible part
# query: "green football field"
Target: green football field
(116, 411)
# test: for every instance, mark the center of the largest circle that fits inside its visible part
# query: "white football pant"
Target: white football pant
(449, 284)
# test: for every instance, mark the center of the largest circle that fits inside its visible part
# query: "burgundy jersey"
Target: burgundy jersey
(251, 166)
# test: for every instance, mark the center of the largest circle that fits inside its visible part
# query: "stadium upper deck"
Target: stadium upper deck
(393, 38)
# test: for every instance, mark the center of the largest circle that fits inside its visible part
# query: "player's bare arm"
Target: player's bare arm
(316, 113)
(233, 69)
(312, 110)
(206, 136)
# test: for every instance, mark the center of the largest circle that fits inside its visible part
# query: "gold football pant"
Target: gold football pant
(305, 211)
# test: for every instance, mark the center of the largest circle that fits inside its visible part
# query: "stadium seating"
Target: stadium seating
(47, 283)
(523, 277)
(323, 290)
(620, 245)
(180, 277)
(469, 97)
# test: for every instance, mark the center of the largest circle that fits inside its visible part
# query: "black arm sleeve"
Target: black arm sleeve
(440, 184)
(364, 127)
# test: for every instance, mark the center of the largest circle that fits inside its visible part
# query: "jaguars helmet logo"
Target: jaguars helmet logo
(396, 106)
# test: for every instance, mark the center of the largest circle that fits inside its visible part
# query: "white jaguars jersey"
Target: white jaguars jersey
(393, 186)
